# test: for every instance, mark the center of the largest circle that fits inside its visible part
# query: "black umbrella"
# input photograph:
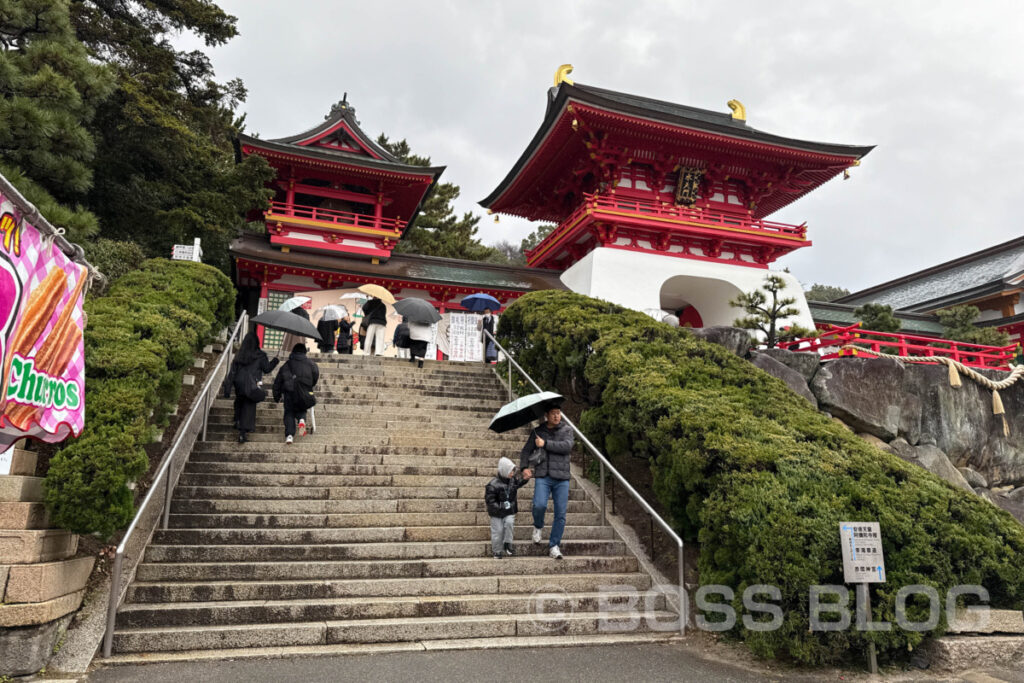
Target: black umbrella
(525, 410)
(288, 322)
(417, 311)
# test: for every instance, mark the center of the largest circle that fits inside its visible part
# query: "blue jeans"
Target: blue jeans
(558, 489)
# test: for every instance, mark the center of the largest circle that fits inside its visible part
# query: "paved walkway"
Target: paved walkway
(633, 663)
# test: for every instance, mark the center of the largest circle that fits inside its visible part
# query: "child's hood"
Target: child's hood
(505, 467)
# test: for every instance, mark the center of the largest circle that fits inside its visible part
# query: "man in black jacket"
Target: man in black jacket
(294, 383)
(551, 475)
(375, 313)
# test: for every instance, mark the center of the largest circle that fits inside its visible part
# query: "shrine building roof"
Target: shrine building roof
(339, 139)
(968, 278)
(431, 270)
(688, 133)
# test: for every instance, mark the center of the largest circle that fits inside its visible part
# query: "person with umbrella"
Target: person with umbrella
(327, 326)
(488, 304)
(375, 317)
(421, 316)
(545, 459)
(245, 376)
(294, 384)
(401, 338)
(487, 325)
(294, 306)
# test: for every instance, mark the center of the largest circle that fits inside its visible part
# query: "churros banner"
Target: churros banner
(41, 294)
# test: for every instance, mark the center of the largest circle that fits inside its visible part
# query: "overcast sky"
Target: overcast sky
(936, 85)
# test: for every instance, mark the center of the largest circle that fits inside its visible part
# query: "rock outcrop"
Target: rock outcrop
(912, 410)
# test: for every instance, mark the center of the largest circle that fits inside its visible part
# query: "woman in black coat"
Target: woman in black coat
(247, 370)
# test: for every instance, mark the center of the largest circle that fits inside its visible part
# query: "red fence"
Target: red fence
(334, 217)
(829, 345)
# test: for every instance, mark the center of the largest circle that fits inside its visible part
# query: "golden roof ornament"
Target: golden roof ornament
(739, 112)
(562, 75)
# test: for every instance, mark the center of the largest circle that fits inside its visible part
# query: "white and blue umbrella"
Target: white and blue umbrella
(334, 312)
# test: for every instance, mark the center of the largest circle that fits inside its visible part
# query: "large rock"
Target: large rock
(732, 338)
(975, 479)
(865, 394)
(931, 459)
(806, 364)
(26, 650)
(915, 401)
(793, 379)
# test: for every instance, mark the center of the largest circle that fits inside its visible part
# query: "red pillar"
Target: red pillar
(263, 295)
(289, 197)
(440, 356)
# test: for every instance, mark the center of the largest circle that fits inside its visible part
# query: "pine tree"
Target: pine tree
(958, 324)
(50, 91)
(877, 317)
(437, 231)
(818, 292)
(165, 171)
(764, 316)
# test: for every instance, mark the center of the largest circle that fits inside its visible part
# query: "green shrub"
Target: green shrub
(140, 339)
(113, 258)
(750, 469)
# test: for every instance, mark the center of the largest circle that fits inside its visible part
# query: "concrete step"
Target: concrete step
(273, 439)
(372, 631)
(365, 569)
(313, 445)
(418, 506)
(394, 401)
(393, 548)
(334, 480)
(147, 616)
(284, 456)
(356, 433)
(454, 530)
(321, 468)
(340, 492)
(304, 521)
(215, 591)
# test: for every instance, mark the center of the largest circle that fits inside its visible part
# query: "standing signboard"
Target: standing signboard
(41, 334)
(862, 552)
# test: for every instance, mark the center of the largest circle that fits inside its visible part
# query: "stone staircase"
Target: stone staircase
(373, 530)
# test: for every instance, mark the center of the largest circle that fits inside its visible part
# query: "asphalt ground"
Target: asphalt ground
(652, 663)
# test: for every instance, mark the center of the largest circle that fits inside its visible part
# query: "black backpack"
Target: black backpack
(302, 398)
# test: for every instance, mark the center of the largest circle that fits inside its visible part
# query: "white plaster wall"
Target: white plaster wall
(636, 280)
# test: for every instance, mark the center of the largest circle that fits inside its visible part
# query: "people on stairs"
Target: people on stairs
(246, 377)
(551, 475)
(294, 386)
(502, 497)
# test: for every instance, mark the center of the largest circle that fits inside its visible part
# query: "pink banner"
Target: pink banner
(41, 328)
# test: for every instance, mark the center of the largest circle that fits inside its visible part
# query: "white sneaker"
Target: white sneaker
(555, 553)
(289, 440)
(302, 427)
(536, 535)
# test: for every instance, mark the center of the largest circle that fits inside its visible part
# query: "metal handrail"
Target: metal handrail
(202, 401)
(605, 463)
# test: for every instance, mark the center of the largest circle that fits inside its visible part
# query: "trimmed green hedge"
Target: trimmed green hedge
(139, 341)
(758, 476)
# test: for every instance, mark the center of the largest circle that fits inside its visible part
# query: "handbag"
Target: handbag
(247, 387)
(539, 455)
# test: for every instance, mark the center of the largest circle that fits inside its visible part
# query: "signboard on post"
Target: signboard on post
(862, 552)
(42, 393)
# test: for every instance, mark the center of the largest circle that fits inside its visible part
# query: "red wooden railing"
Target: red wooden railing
(595, 203)
(334, 217)
(829, 345)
